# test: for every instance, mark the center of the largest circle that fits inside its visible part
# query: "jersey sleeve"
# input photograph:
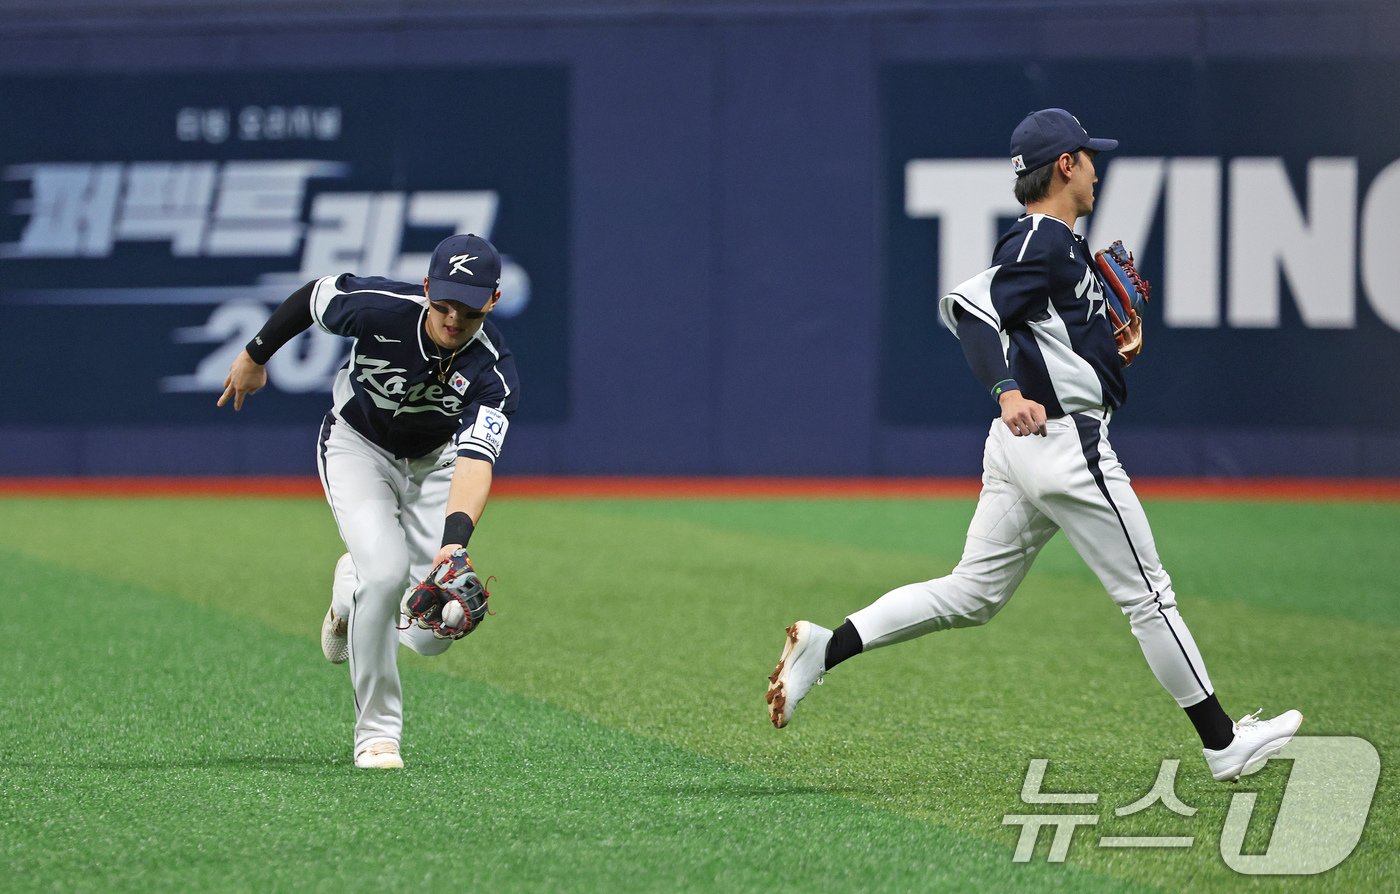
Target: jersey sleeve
(1020, 291)
(330, 307)
(487, 418)
(1013, 291)
(974, 297)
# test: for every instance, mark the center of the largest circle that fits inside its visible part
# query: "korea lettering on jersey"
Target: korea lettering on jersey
(1045, 300)
(402, 391)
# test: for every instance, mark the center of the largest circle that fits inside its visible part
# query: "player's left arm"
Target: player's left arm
(479, 441)
(982, 347)
(466, 501)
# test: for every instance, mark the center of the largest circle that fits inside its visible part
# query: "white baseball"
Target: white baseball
(453, 614)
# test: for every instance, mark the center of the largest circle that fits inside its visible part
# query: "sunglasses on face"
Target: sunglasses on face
(463, 311)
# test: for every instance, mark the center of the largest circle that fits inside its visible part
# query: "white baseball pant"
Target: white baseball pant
(390, 514)
(1032, 487)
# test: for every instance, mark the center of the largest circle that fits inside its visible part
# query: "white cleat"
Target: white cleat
(381, 755)
(334, 644)
(800, 667)
(1255, 742)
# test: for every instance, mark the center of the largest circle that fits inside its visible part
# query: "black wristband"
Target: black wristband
(457, 529)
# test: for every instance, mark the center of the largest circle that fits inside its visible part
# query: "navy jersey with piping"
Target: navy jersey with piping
(1044, 298)
(401, 390)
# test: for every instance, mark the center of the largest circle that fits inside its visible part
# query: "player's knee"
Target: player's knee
(380, 579)
(1141, 606)
(978, 614)
(974, 599)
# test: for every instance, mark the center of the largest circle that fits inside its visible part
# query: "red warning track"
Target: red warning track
(717, 488)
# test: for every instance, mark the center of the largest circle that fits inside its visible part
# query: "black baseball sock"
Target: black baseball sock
(1213, 725)
(844, 643)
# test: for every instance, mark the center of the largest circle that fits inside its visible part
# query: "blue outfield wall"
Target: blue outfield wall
(725, 233)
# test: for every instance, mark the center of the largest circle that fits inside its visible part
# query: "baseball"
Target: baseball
(453, 614)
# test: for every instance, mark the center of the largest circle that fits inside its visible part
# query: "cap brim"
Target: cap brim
(1101, 145)
(475, 297)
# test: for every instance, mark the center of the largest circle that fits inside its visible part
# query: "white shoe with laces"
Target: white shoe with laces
(800, 667)
(381, 755)
(1255, 742)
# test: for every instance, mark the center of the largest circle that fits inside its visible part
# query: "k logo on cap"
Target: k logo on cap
(465, 268)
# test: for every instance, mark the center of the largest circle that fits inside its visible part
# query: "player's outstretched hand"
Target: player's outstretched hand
(1022, 415)
(245, 377)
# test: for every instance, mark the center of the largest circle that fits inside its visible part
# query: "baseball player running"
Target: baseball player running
(1033, 328)
(405, 455)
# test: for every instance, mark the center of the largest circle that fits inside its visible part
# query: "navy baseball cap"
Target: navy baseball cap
(1044, 136)
(465, 268)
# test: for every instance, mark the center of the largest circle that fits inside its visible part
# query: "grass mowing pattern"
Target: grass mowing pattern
(605, 731)
(177, 754)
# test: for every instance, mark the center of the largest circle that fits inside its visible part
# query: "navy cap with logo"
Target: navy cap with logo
(465, 268)
(1044, 136)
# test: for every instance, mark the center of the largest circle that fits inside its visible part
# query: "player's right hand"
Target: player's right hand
(245, 377)
(1022, 415)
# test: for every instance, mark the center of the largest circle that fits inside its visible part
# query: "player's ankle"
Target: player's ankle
(845, 643)
(1213, 725)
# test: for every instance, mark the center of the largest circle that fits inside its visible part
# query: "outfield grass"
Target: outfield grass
(169, 723)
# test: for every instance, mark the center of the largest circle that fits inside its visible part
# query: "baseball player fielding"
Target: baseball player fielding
(418, 418)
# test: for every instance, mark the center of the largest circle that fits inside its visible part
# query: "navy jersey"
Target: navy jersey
(1043, 296)
(401, 390)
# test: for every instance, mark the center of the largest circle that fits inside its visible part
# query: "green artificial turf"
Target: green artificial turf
(169, 724)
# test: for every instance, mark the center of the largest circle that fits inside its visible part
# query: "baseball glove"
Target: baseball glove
(1126, 292)
(451, 601)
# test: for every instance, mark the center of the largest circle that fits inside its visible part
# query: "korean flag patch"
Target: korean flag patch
(459, 383)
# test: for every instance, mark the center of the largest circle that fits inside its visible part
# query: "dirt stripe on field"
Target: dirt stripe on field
(716, 488)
